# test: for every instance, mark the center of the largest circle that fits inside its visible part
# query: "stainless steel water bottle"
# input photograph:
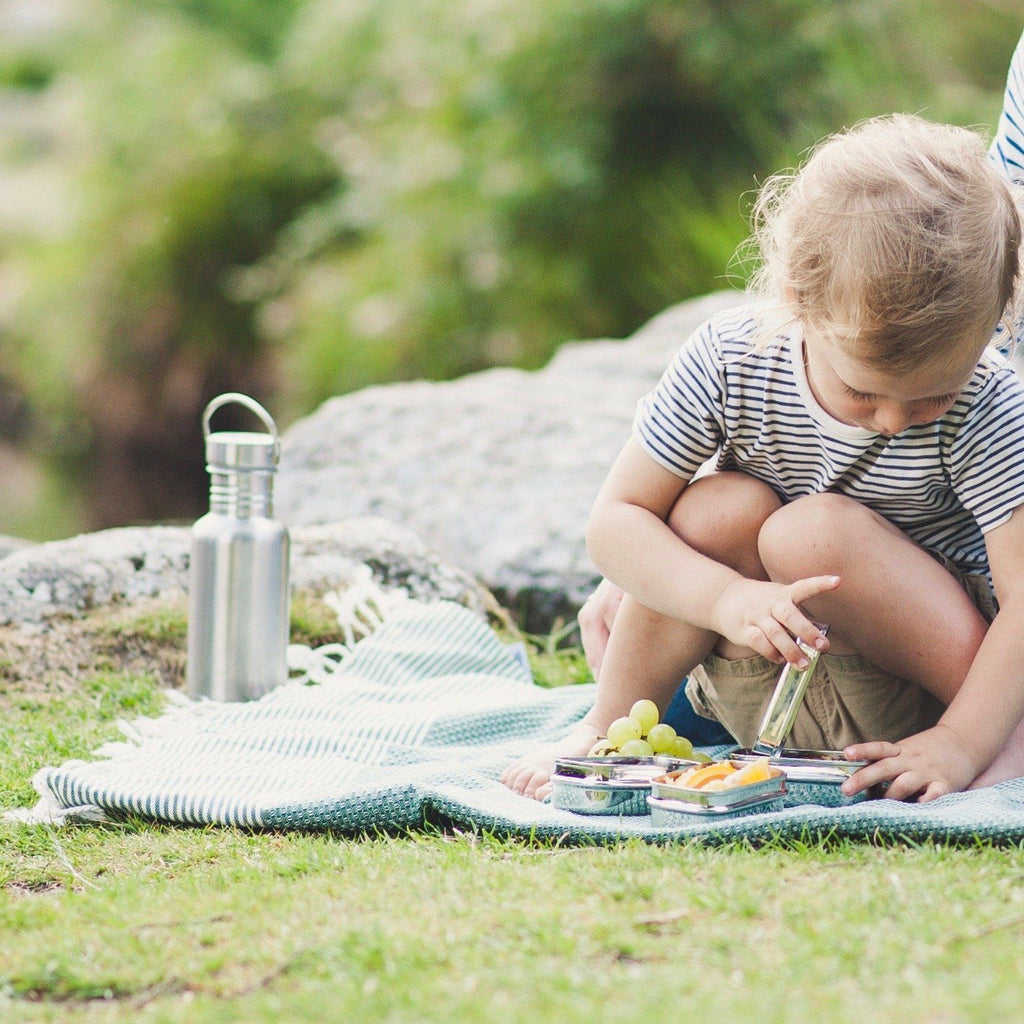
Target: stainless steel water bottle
(238, 574)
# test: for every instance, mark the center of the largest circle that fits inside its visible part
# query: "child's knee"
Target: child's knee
(811, 535)
(720, 515)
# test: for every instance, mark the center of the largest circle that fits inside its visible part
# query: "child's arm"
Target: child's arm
(632, 545)
(975, 729)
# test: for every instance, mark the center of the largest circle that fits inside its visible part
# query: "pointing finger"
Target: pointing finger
(803, 590)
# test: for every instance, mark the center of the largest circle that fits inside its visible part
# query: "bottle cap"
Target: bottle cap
(239, 450)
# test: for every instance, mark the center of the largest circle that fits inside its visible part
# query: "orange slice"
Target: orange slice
(696, 778)
(756, 771)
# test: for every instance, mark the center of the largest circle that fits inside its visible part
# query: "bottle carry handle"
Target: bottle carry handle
(234, 398)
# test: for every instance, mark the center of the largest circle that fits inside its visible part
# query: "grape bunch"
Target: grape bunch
(641, 734)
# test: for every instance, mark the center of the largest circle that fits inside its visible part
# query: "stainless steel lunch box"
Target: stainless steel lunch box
(812, 776)
(589, 796)
(608, 785)
(668, 802)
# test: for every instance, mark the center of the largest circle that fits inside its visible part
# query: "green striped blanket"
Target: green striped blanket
(414, 727)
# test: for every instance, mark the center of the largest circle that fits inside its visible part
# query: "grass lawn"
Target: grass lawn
(158, 923)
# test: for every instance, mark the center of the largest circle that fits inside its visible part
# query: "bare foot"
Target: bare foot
(531, 775)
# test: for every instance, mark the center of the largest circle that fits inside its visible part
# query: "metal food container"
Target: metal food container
(812, 776)
(608, 785)
(786, 699)
(620, 769)
(666, 813)
(668, 801)
(598, 796)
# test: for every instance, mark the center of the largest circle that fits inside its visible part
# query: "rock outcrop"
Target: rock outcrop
(8, 545)
(496, 470)
(135, 564)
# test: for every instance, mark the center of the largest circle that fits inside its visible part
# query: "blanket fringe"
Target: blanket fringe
(49, 811)
(361, 609)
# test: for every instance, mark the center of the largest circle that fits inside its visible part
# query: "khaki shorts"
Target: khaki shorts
(849, 700)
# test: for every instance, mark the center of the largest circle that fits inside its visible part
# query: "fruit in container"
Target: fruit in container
(636, 748)
(624, 729)
(719, 775)
(757, 771)
(682, 748)
(646, 714)
(698, 778)
(662, 738)
(641, 734)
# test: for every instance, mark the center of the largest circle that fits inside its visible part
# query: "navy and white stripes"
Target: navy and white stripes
(944, 483)
(1008, 146)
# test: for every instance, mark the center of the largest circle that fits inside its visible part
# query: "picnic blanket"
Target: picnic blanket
(413, 725)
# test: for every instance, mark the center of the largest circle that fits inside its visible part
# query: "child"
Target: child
(869, 475)
(598, 611)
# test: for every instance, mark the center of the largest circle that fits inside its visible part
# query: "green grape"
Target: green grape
(662, 738)
(622, 730)
(646, 713)
(699, 756)
(636, 748)
(682, 748)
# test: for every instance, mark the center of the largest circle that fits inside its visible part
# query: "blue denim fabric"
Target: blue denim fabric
(700, 731)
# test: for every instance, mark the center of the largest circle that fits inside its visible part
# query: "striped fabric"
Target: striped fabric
(943, 483)
(415, 728)
(430, 696)
(1008, 146)
(1007, 153)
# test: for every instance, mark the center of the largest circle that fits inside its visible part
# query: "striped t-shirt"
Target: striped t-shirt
(944, 483)
(1007, 151)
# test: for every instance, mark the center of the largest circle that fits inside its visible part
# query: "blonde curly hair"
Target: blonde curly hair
(896, 240)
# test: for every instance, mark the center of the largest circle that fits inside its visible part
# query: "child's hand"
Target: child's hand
(927, 765)
(767, 616)
(595, 619)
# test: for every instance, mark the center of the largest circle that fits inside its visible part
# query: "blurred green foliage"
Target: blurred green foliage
(296, 198)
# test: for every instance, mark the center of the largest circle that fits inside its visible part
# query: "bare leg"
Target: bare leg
(895, 601)
(896, 604)
(648, 654)
(1009, 763)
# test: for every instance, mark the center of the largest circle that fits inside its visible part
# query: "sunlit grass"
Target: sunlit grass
(98, 923)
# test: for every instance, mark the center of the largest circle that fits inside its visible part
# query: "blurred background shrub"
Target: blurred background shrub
(297, 198)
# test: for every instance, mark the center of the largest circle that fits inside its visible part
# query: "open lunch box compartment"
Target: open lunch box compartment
(668, 800)
(812, 776)
(641, 785)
